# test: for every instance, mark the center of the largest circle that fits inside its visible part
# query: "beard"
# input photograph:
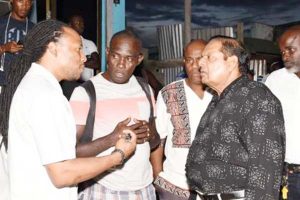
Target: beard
(294, 69)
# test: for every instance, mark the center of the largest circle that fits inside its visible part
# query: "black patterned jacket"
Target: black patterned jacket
(240, 143)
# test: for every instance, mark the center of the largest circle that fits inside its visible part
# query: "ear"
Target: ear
(140, 58)
(52, 48)
(107, 51)
(233, 62)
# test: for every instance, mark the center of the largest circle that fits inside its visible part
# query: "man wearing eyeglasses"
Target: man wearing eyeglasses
(239, 146)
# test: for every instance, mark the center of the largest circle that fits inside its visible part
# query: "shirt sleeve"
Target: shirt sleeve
(80, 104)
(265, 141)
(163, 118)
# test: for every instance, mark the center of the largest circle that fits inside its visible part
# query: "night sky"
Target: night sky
(145, 15)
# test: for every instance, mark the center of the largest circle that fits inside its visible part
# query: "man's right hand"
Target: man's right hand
(127, 142)
(12, 47)
(123, 125)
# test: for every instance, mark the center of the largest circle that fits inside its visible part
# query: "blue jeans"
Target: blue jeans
(294, 186)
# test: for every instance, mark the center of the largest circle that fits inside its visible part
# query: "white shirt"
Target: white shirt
(89, 47)
(116, 102)
(174, 164)
(41, 131)
(286, 87)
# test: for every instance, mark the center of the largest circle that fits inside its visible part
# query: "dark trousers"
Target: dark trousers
(294, 186)
(238, 195)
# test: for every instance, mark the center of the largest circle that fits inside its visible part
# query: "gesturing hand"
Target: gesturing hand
(143, 132)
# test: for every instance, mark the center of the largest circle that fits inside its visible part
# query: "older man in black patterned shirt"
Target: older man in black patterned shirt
(239, 148)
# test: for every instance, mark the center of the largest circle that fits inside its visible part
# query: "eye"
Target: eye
(292, 50)
(211, 58)
(114, 56)
(187, 60)
(129, 59)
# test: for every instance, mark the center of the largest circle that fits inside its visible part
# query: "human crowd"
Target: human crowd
(215, 135)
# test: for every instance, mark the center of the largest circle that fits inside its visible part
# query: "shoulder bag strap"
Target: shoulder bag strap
(89, 126)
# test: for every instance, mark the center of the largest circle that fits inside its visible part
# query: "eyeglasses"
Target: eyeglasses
(191, 61)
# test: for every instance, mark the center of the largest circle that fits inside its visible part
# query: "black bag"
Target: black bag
(89, 127)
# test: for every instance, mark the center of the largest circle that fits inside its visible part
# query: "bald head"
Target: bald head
(294, 30)
(289, 44)
(192, 54)
(127, 35)
(194, 45)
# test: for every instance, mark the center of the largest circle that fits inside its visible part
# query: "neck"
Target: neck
(50, 66)
(222, 86)
(197, 88)
(16, 17)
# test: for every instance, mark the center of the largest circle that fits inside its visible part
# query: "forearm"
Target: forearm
(72, 172)
(95, 147)
(154, 141)
(156, 160)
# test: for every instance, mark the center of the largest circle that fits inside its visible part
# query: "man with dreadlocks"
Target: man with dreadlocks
(42, 133)
(13, 28)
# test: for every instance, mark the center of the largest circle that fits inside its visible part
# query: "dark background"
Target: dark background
(66, 8)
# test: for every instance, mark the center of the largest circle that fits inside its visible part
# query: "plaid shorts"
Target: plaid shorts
(99, 192)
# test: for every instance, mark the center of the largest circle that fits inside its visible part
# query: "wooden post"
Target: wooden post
(53, 9)
(48, 11)
(187, 21)
(240, 32)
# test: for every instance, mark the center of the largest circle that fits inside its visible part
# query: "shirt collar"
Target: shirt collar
(43, 72)
(233, 85)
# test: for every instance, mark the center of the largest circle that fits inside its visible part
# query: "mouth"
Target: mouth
(119, 74)
(23, 12)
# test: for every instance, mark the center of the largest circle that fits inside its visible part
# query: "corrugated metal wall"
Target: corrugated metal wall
(170, 39)
(170, 74)
(259, 66)
(170, 44)
(207, 33)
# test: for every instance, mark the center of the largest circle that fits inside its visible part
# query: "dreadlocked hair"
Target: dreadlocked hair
(35, 45)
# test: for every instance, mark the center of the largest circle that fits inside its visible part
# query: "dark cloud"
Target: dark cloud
(145, 16)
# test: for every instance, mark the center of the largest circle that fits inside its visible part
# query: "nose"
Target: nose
(83, 57)
(121, 63)
(285, 56)
(201, 62)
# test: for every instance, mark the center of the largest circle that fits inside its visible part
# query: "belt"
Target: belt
(234, 195)
(293, 168)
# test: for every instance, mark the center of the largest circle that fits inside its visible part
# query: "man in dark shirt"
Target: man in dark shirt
(13, 28)
(239, 146)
